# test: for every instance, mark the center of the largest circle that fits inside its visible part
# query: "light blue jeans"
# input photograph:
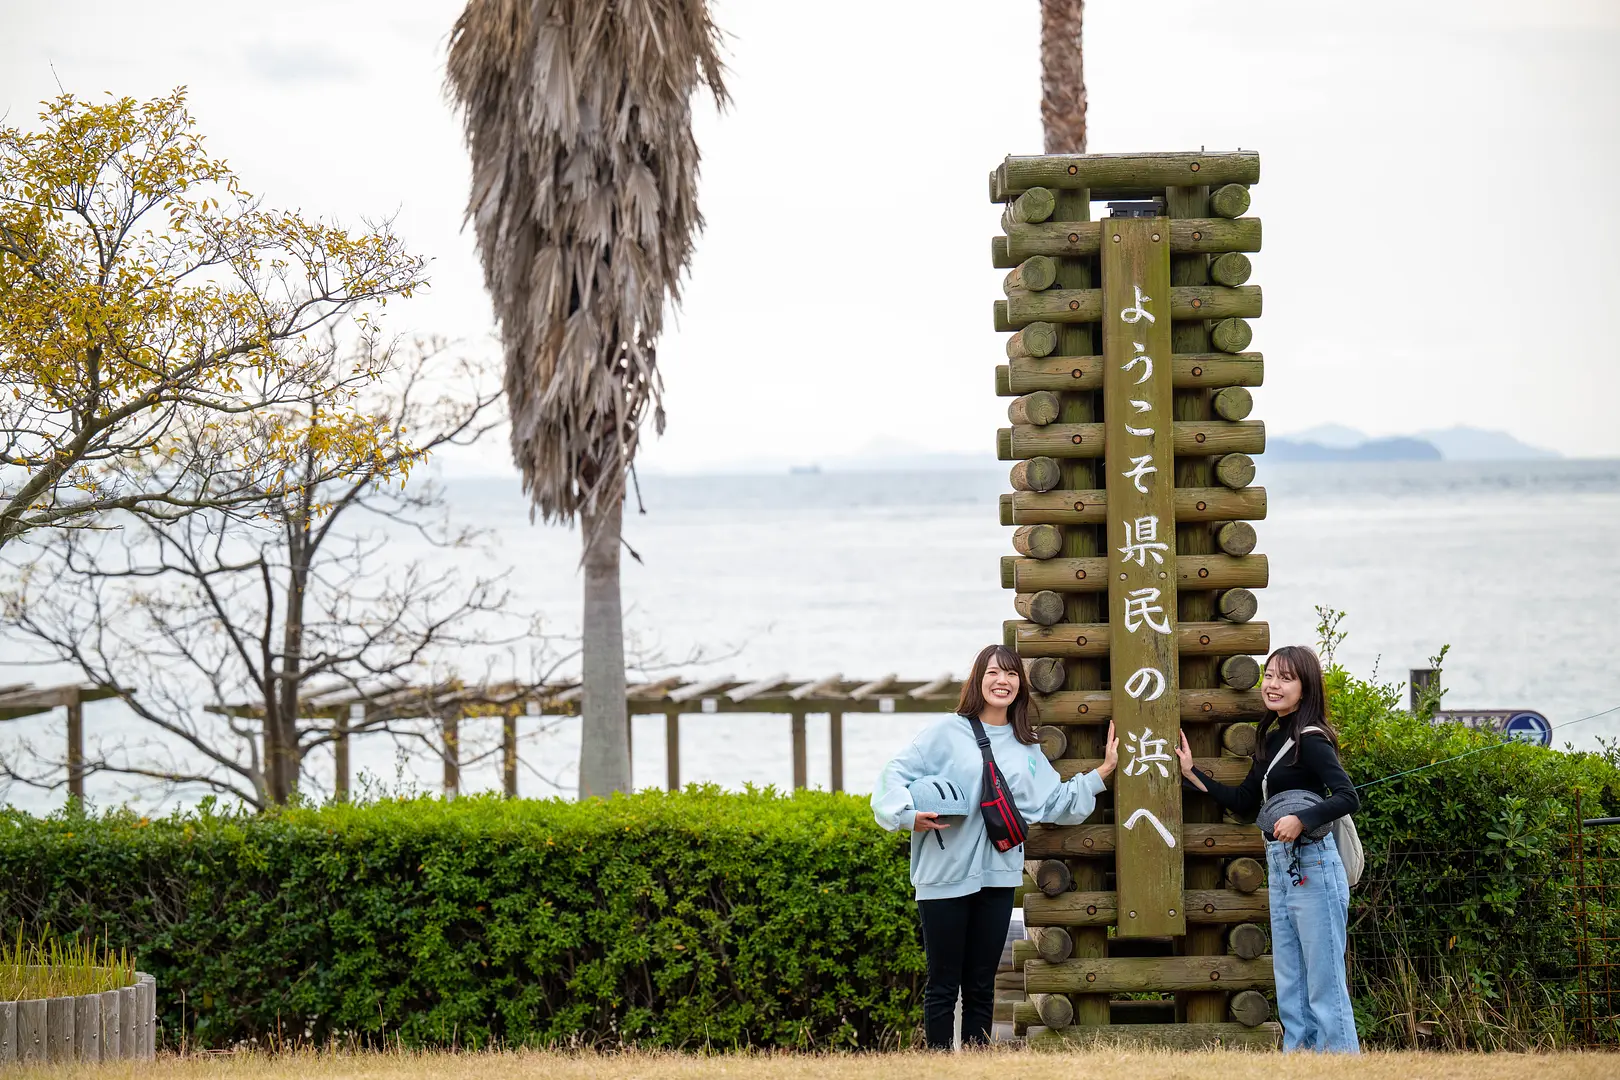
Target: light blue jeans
(1308, 939)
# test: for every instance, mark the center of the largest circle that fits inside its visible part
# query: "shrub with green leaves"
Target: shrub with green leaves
(711, 919)
(1464, 925)
(679, 920)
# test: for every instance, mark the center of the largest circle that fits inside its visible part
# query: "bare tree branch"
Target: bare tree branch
(224, 608)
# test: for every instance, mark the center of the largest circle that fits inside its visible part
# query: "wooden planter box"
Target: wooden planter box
(91, 1027)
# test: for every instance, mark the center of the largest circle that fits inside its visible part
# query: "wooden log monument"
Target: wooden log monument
(1135, 580)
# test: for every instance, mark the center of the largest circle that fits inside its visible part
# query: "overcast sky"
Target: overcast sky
(1442, 241)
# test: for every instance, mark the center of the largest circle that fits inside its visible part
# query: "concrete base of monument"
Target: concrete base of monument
(1160, 1036)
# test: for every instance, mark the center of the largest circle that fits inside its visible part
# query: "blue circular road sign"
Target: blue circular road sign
(1530, 727)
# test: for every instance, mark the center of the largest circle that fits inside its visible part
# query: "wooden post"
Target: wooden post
(1053, 877)
(1036, 474)
(1036, 204)
(1245, 874)
(59, 1029)
(801, 768)
(111, 1043)
(672, 749)
(1054, 741)
(75, 747)
(148, 998)
(1247, 940)
(1141, 575)
(1073, 240)
(450, 725)
(1197, 538)
(1053, 943)
(1046, 541)
(1080, 541)
(509, 755)
(1250, 1008)
(835, 738)
(340, 750)
(1085, 305)
(1419, 682)
(31, 1031)
(1133, 173)
(129, 1022)
(1055, 1010)
(87, 1027)
(1238, 740)
(1040, 408)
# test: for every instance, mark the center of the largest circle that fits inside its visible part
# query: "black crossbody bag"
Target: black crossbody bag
(1003, 824)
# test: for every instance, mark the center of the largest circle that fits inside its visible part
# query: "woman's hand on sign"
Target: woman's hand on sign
(926, 821)
(1184, 755)
(1288, 829)
(1110, 754)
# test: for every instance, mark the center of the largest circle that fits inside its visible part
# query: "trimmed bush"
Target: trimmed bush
(1465, 926)
(673, 920)
(710, 919)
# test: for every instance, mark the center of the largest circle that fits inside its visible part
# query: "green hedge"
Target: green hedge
(1465, 921)
(676, 920)
(703, 918)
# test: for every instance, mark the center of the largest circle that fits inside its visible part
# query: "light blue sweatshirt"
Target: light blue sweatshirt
(968, 862)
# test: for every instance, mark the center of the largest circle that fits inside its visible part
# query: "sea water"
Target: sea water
(866, 574)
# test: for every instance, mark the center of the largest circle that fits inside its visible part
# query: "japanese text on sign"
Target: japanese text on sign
(1140, 476)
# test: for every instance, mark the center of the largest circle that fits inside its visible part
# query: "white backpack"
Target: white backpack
(1344, 828)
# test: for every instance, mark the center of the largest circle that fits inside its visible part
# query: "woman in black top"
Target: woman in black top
(1310, 897)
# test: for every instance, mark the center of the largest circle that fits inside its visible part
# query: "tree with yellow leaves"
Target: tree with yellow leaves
(220, 634)
(158, 351)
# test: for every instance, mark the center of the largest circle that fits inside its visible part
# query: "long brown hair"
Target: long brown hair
(1020, 713)
(1302, 664)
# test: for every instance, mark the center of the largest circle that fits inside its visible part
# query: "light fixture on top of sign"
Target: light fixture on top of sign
(1153, 207)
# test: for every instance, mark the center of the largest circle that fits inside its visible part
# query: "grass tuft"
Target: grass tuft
(47, 967)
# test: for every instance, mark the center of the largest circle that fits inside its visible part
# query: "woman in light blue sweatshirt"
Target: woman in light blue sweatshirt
(964, 885)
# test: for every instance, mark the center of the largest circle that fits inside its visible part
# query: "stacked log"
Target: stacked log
(1132, 467)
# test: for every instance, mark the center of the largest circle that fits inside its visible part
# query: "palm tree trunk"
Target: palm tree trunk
(604, 754)
(1063, 77)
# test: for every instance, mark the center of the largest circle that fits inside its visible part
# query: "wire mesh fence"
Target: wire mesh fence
(1594, 869)
(1514, 946)
(1458, 948)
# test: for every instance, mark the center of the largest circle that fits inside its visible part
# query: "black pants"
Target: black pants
(964, 937)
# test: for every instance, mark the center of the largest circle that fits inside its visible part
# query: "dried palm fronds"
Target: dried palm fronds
(584, 199)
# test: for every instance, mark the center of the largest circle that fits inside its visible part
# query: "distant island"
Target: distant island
(1324, 444)
(1396, 449)
(1335, 442)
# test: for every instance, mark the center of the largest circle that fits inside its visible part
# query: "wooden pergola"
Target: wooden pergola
(26, 699)
(350, 709)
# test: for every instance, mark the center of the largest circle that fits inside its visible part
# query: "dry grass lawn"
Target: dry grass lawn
(992, 1065)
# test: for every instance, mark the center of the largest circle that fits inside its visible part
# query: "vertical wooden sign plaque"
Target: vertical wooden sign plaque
(1137, 412)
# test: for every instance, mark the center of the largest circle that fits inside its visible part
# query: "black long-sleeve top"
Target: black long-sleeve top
(1318, 770)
